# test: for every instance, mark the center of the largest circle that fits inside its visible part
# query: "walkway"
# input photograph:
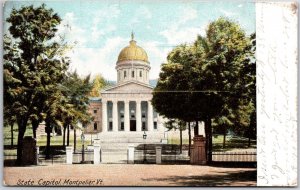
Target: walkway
(130, 175)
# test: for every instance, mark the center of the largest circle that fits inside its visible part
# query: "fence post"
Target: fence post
(97, 149)
(158, 154)
(130, 154)
(69, 154)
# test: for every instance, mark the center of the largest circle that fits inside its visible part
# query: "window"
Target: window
(132, 116)
(122, 126)
(122, 116)
(124, 74)
(143, 115)
(95, 111)
(140, 73)
(144, 126)
(110, 126)
(132, 74)
(155, 125)
(95, 126)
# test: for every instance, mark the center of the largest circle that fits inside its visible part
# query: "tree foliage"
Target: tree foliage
(27, 52)
(210, 79)
(74, 107)
(37, 85)
(99, 83)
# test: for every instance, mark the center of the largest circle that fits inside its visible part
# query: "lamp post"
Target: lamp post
(144, 137)
(82, 142)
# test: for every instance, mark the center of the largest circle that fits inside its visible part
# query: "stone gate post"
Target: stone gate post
(69, 154)
(97, 150)
(158, 154)
(198, 153)
(130, 154)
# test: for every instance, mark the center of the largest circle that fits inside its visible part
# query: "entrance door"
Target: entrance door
(132, 125)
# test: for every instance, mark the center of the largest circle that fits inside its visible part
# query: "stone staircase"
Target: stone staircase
(130, 137)
(114, 144)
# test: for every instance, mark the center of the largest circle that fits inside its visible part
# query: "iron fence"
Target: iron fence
(88, 157)
(234, 156)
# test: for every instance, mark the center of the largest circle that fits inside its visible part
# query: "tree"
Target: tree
(250, 71)
(9, 113)
(173, 86)
(52, 105)
(9, 120)
(76, 91)
(222, 124)
(176, 124)
(31, 30)
(200, 80)
(99, 83)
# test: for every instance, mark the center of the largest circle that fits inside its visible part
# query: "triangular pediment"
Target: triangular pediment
(130, 86)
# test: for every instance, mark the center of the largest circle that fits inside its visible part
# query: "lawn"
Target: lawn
(41, 140)
(232, 142)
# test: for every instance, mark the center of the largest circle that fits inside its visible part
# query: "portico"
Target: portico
(128, 115)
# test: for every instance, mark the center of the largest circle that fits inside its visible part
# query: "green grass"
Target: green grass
(41, 140)
(232, 142)
(7, 135)
(235, 142)
(177, 141)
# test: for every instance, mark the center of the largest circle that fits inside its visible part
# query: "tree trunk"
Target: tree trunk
(74, 139)
(190, 140)
(48, 131)
(249, 142)
(224, 137)
(208, 136)
(21, 128)
(35, 125)
(196, 129)
(12, 135)
(64, 135)
(180, 130)
(68, 135)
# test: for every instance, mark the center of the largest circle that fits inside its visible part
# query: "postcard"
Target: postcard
(150, 93)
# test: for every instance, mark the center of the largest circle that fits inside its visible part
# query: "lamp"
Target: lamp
(144, 137)
(82, 142)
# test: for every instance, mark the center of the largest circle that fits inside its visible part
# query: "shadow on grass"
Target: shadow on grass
(234, 178)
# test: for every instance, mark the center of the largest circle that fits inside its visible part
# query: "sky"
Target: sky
(102, 28)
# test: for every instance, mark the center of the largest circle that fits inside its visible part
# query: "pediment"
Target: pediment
(130, 87)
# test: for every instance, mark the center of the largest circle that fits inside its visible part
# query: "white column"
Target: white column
(115, 115)
(126, 115)
(138, 116)
(150, 116)
(104, 116)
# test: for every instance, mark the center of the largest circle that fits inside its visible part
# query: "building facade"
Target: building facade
(95, 109)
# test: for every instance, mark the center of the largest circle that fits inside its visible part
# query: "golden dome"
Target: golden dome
(133, 52)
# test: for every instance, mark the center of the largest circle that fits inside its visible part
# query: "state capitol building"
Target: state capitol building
(126, 107)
